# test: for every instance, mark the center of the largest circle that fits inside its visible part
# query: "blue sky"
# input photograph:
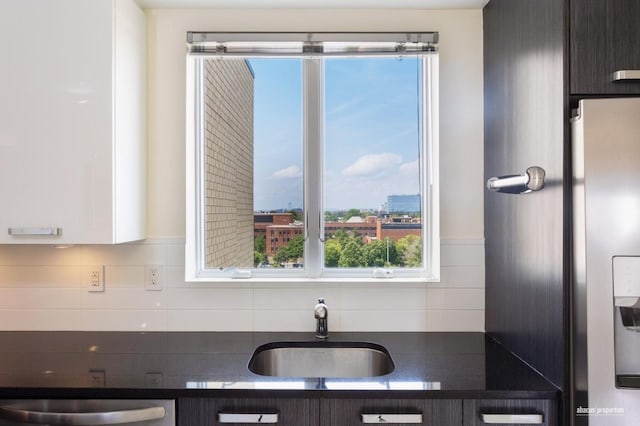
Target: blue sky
(371, 132)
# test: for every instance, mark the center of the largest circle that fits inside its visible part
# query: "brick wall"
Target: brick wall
(228, 98)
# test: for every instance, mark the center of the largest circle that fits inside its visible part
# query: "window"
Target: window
(312, 156)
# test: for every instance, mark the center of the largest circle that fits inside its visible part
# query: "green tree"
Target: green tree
(381, 253)
(292, 251)
(259, 244)
(330, 216)
(281, 255)
(295, 214)
(351, 255)
(342, 237)
(259, 258)
(296, 247)
(352, 212)
(332, 252)
(410, 251)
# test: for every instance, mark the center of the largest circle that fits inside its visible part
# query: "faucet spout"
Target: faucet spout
(321, 313)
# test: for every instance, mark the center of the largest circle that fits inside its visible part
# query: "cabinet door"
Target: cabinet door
(55, 117)
(350, 412)
(509, 412)
(72, 166)
(247, 411)
(604, 38)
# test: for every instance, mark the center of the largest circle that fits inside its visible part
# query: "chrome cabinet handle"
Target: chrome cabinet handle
(247, 418)
(74, 419)
(532, 180)
(626, 75)
(53, 232)
(494, 419)
(391, 418)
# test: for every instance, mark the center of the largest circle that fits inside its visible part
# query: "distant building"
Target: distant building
(280, 235)
(262, 220)
(278, 229)
(355, 219)
(362, 228)
(398, 230)
(403, 203)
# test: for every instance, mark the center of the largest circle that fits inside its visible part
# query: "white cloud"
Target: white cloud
(409, 168)
(372, 164)
(291, 172)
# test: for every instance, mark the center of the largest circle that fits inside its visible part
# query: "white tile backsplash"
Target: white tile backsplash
(40, 276)
(381, 320)
(42, 288)
(210, 320)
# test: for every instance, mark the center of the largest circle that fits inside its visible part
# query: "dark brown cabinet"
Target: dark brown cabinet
(247, 411)
(480, 412)
(322, 411)
(349, 412)
(604, 37)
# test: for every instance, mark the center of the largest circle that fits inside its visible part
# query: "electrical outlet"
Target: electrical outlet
(153, 277)
(95, 278)
(153, 380)
(97, 378)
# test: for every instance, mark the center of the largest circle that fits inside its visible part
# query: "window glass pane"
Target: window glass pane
(372, 163)
(253, 181)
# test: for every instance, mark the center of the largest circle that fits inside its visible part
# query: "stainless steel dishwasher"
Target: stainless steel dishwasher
(90, 412)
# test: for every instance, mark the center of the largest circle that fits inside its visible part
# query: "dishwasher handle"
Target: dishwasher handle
(85, 419)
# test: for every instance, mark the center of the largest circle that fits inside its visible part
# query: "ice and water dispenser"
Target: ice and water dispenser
(626, 295)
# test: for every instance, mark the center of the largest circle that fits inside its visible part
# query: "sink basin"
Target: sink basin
(321, 359)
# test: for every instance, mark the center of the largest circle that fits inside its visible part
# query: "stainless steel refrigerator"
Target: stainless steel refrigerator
(606, 262)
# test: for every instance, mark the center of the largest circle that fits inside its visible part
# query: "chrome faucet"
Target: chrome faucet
(321, 313)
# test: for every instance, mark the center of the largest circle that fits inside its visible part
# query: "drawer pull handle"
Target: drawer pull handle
(25, 232)
(626, 75)
(391, 418)
(247, 418)
(495, 419)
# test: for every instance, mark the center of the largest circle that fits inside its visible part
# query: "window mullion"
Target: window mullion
(313, 163)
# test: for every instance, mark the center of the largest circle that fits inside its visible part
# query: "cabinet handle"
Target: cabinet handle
(247, 418)
(391, 418)
(626, 75)
(494, 419)
(50, 232)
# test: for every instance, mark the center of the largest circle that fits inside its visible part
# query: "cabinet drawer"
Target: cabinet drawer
(509, 412)
(604, 38)
(350, 412)
(247, 411)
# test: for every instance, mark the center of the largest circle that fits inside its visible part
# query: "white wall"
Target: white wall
(42, 288)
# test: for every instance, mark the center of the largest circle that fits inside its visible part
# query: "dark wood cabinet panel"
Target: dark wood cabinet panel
(205, 411)
(604, 37)
(525, 113)
(473, 410)
(347, 412)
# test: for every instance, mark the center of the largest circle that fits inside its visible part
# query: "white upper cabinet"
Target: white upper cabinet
(72, 121)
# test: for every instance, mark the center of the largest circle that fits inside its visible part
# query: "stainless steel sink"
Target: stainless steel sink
(321, 359)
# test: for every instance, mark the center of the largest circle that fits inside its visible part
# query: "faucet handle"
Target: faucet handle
(320, 310)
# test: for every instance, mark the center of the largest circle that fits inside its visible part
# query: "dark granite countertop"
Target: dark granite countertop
(175, 364)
